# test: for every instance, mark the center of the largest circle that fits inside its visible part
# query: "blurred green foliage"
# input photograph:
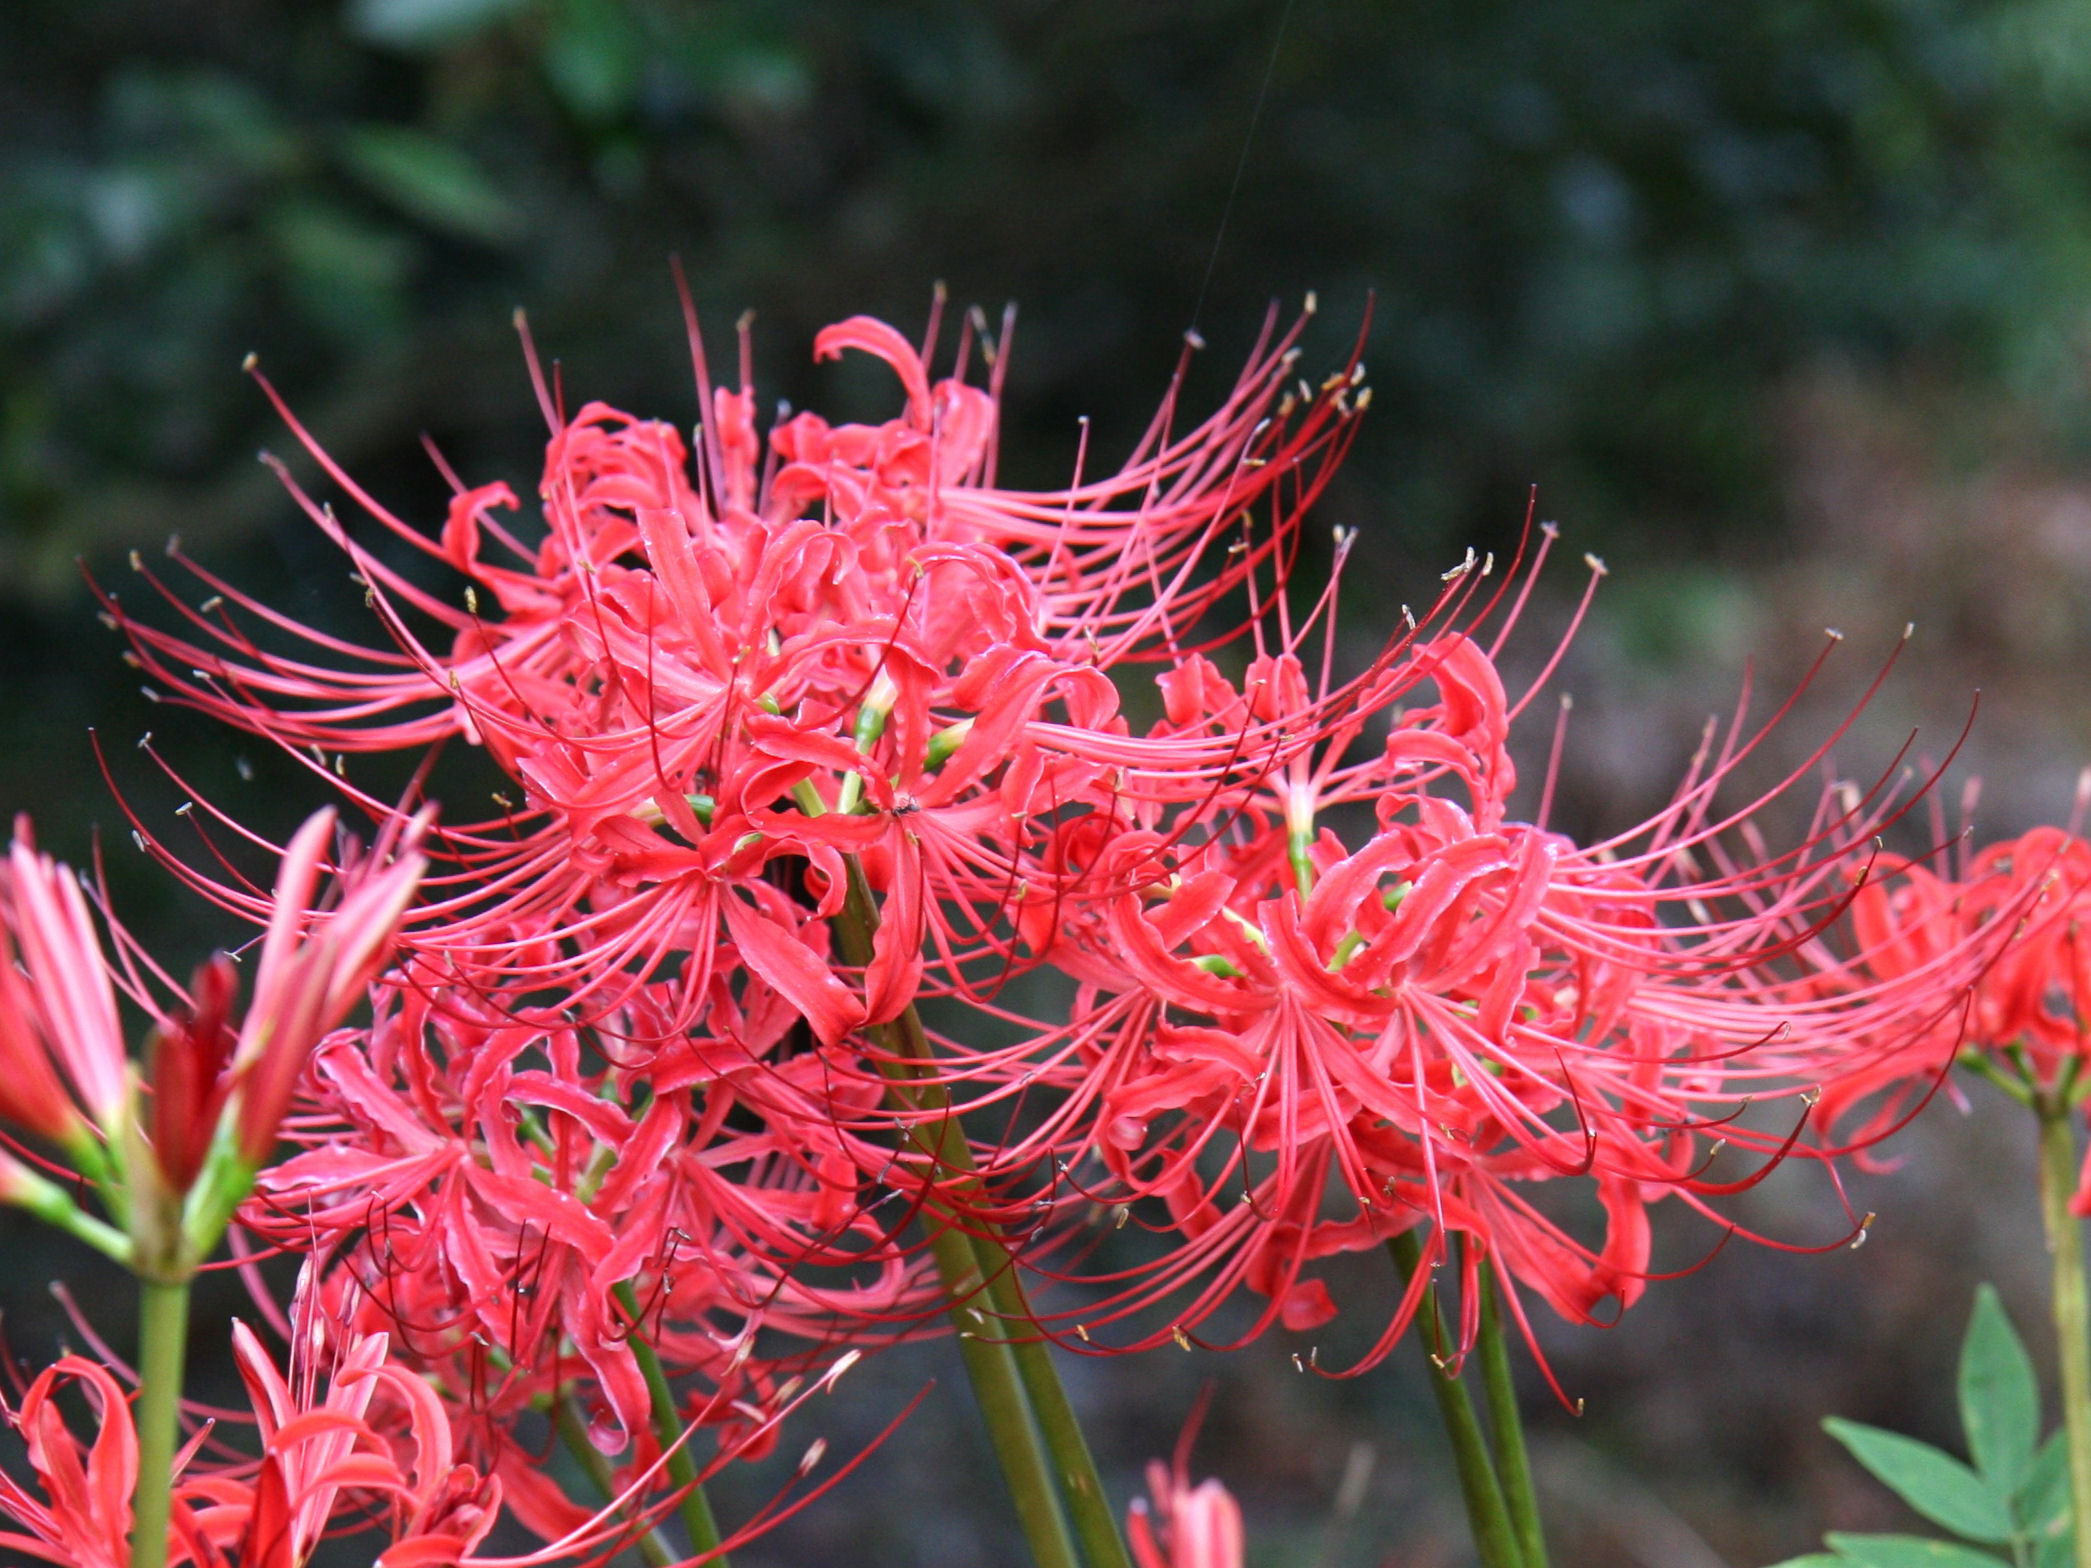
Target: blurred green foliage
(1598, 231)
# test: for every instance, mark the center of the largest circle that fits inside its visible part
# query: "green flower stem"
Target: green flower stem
(1487, 1514)
(1513, 1465)
(667, 1426)
(998, 1390)
(2065, 1242)
(1014, 1383)
(163, 1333)
(1095, 1524)
(573, 1433)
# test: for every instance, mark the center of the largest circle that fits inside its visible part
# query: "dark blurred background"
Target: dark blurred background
(1782, 306)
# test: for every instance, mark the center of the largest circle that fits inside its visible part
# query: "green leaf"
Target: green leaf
(1999, 1401)
(1936, 1485)
(1906, 1551)
(2056, 1551)
(427, 178)
(2043, 1494)
(1814, 1560)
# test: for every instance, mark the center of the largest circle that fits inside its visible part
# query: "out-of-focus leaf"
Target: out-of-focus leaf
(424, 24)
(1906, 1551)
(1999, 1401)
(1935, 1484)
(347, 274)
(428, 179)
(592, 59)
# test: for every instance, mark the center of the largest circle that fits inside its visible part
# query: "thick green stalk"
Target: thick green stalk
(163, 1334)
(1095, 1524)
(573, 1432)
(667, 1425)
(2065, 1242)
(1513, 1465)
(998, 1390)
(1487, 1513)
(1041, 1402)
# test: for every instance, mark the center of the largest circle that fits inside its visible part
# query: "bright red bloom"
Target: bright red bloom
(871, 626)
(83, 1519)
(1330, 988)
(1456, 1006)
(497, 1194)
(349, 1443)
(2025, 902)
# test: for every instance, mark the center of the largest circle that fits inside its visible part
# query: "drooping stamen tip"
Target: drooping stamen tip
(1596, 564)
(1192, 337)
(249, 364)
(1312, 303)
(843, 1363)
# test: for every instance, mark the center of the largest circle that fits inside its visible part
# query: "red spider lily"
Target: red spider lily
(498, 1194)
(83, 1519)
(214, 1089)
(2026, 899)
(1460, 1006)
(316, 1448)
(872, 627)
(725, 693)
(350, 1443)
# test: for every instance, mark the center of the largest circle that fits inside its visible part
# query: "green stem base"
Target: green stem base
(163, 1335)
(1487, 1513)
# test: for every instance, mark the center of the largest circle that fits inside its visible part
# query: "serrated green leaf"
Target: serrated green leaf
(2043, 1494)
(1999, 1401)
(427, 178)
(1906, 1551)
(1935, 1484)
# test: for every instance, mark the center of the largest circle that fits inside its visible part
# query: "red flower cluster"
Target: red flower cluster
(806, 729)
(349, 1432)
(2027, 900)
